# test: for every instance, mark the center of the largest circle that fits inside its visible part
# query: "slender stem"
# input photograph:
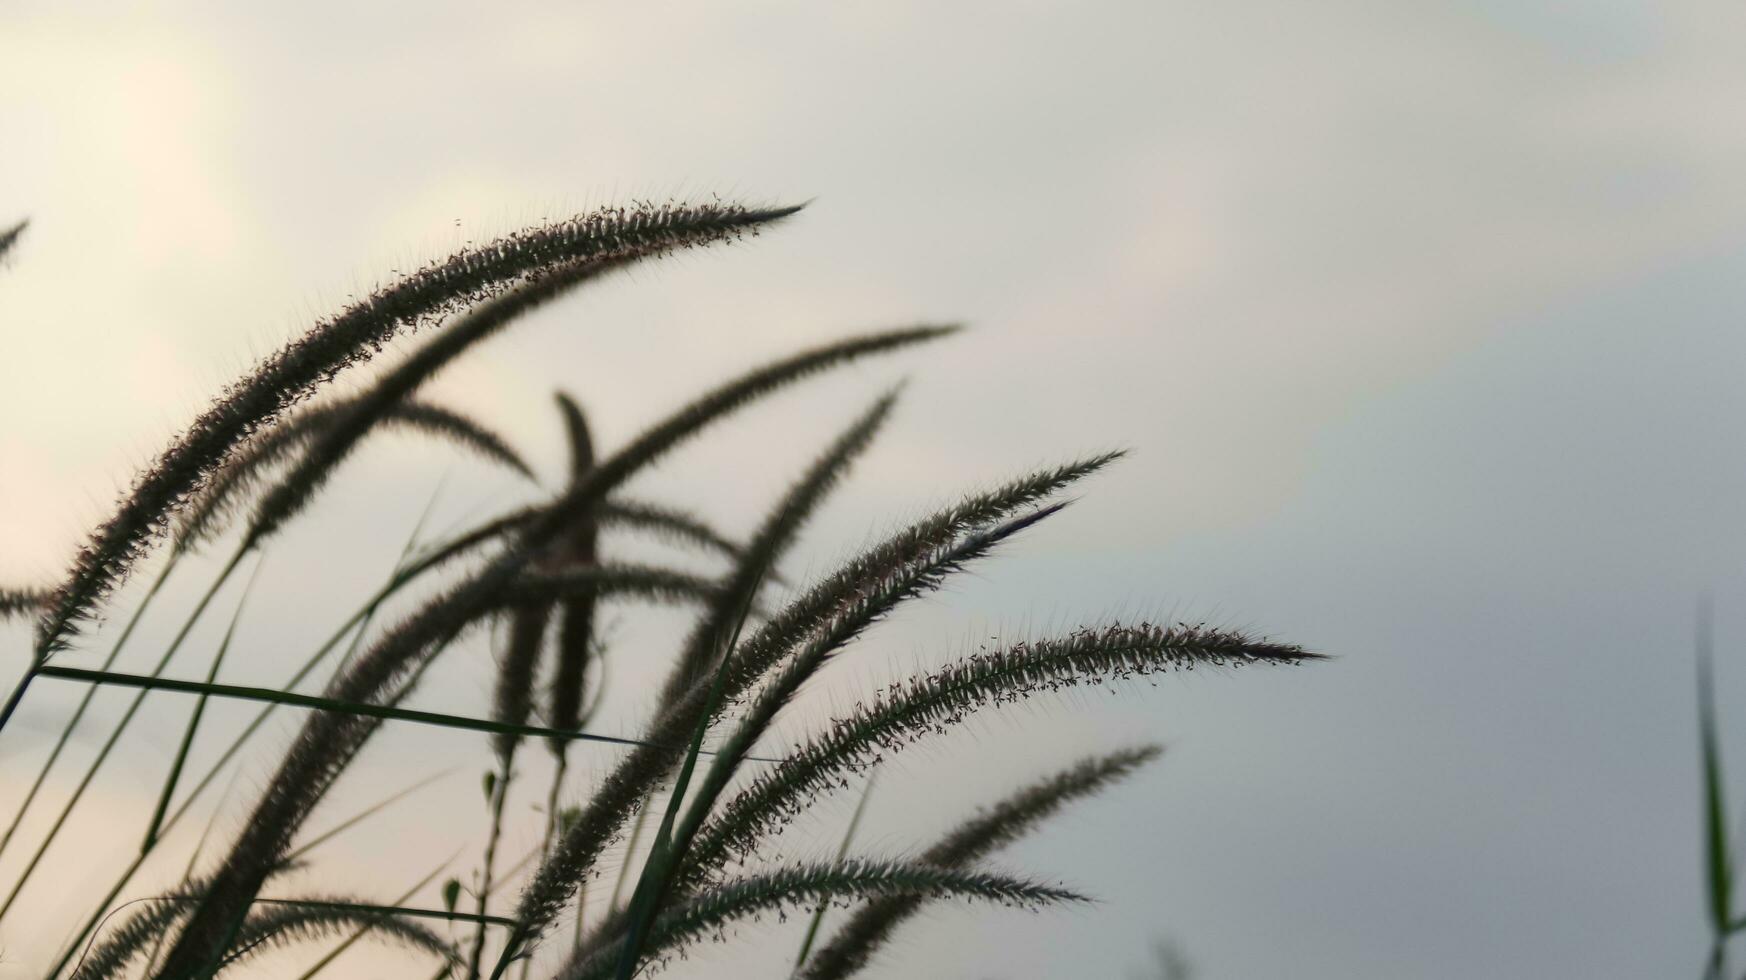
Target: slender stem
(85, 703)
(506, 773)
(17, 694)
(151, 834)
(108, 746)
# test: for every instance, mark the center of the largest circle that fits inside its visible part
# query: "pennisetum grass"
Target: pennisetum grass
(839, 606)
(230, 489)
(605, 238)
(271, 442)
(851, 948)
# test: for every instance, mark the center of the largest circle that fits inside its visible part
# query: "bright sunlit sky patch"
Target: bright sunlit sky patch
(1420, 318)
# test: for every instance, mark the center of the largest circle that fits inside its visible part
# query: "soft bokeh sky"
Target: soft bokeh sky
(1420, 318)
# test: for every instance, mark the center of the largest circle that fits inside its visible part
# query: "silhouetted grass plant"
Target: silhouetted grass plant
(271, 443)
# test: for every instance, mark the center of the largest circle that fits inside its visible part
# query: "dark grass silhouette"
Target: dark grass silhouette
(247, 468)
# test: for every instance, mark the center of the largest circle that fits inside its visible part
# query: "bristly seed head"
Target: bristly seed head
(475, 274)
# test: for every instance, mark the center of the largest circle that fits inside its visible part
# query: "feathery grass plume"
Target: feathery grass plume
(281, 925)
(460, 429)
(712, 639)
(768, 545)
(736, 394)
(398, 384)
(540, 528)
(634, 514)
(159, 914)
(661, 521)
(675, 526)
(914, 709)
(795, 622)
(850, 622)
(544, 526)
(351, 337)
(23, 602)
(803, 886)
(111, 957)
(357, 934)
(853, 945)
(923, 549)
(10, 237)
(329, 741)
(859, 608)
(210, 511)
(512, 701)
(197, 944)
(580, 544)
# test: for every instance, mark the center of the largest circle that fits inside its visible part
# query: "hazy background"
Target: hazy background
(1420, 318)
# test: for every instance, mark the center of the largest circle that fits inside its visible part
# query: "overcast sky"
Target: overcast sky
(1421, 320)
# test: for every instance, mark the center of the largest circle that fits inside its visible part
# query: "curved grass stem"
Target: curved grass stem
(500, 796)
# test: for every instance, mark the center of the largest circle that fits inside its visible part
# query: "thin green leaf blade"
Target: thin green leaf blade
(1718, 864)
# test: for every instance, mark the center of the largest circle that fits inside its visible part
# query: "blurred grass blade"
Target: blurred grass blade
(409, 912)
(365, 814)
(842, 853)
(326, 704)
(318, 703)
(1718, 869)
(10, 236)
(1718, 863)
